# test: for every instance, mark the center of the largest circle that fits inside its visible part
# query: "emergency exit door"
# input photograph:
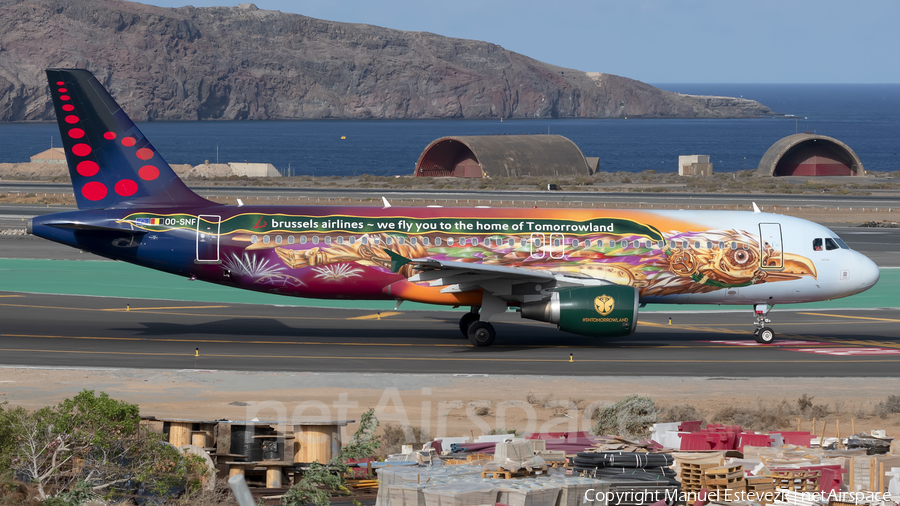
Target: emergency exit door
(208, 239)
(771, 254)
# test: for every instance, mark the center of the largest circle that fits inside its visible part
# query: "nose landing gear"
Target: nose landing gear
(763, 334)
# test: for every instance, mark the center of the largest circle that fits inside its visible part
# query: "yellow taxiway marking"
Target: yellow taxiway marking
(449, 359)
(812, 344)
(229, 341)
(154, 311)
(851, 317)
(376, 316)
(10, 295)
(158, 308)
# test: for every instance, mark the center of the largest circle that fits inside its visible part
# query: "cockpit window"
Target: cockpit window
(841, 243)
(817, 244)
(830, 244)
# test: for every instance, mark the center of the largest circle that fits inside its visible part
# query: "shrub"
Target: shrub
(629, 418)
(395, 436)
(679, 413)
(759, 417)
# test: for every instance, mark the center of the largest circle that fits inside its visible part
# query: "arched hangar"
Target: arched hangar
(502, 156)
(809, 154)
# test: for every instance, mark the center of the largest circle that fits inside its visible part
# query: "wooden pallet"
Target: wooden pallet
(508, 475)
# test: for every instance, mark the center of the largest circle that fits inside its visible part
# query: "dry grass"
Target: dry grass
(394, 436)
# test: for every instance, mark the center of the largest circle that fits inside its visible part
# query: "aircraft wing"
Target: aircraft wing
(498, 280)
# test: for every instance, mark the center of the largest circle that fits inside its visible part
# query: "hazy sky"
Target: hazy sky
(655, 41)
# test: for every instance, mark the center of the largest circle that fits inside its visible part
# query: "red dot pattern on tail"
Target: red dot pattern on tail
(94, 190)
(126, 187)
(148, 173)
(87, 168)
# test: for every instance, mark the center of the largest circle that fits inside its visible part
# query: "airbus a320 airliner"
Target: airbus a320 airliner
(585, 270)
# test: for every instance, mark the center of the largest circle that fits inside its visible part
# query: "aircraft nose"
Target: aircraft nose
(869, 273)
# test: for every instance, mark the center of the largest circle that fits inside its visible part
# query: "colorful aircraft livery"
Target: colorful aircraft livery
(585, 270)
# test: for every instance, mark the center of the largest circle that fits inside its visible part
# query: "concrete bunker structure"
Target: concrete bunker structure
(807, 154)
(502, 156)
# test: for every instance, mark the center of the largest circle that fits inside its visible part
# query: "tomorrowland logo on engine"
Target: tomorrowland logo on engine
(604, 304)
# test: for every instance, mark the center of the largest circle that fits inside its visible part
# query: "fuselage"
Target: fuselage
(682, 257)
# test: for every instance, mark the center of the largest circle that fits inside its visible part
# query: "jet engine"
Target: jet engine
(600, 311)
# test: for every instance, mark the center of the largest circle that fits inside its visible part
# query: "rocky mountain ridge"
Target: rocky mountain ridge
(227, 63)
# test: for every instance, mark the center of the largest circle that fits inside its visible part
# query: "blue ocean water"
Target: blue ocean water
(864, 116)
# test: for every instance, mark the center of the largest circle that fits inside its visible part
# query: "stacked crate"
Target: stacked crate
(797, 481)
(761, 489)
(692, 476)
(724, 482)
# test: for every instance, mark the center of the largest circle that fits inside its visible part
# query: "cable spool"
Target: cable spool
(272, 449)
(242, 442)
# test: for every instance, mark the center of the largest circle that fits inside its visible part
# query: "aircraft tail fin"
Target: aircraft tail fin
(110, 161)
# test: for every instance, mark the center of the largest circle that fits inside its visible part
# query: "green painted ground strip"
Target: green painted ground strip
(119, 279)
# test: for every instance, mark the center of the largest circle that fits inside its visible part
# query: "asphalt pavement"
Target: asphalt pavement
(70, 331)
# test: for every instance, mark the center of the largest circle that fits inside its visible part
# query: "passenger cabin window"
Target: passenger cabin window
(327, 239)
(437, 241)
(574, 243)
(817, 244)
(449, 241)
(364, 240)
(830, 244)
(425, 241)
(389, 240)
(412, 241)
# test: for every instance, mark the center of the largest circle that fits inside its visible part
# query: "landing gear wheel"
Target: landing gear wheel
(481, 334)
(466, 321)
(764, 335)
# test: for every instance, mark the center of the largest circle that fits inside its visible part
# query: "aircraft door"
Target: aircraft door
(771, 255)
(557, 245)
(208, 227)
(537, 245)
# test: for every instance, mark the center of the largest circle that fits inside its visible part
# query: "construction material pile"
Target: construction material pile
(634, 466)
(463, 485)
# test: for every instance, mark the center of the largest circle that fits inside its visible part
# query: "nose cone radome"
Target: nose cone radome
(869, 273)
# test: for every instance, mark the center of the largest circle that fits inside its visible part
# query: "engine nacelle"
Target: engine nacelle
(589, 310)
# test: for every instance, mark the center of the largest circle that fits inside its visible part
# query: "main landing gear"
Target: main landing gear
(763, 334)
(479, 333)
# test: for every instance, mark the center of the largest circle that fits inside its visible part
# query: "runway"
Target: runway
(67, 331)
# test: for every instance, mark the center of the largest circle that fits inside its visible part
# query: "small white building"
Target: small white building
(52, 155)
(255, 169)
(694, 165)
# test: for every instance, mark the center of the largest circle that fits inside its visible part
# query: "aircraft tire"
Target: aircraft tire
(764, 335)
(481, 334)
(466, 321)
